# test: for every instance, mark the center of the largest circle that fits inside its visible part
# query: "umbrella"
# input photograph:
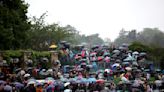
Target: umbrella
(158, 70)
(125, 63)
(18, 85)
(2, 82)
(128, 68)
(116, 51)
(100, 58)
(27, 75)
(66, 84)
(93, 54)
(77, 57)
(40, 81)
(45, 59)
(72, 80)
(122, 48)
(100, 71)
(135, 53)
(100, 81)
(95, 47)
(62, 42)
(142, 54)
(107, 70)
(106, 54)
(91, 80)
(129, 58)
(49, 80)
(147, 70)
(81, 80)
(7, 88)
(125, 45)
(64, 79)
(31, 81)
(53, 46)
(18, 69)
(115, 65)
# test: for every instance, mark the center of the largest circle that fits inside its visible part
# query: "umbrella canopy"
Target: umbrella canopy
(116, 65)
(62, 42)
(100, 58)
(40, 81)
(8, 88)
(18, 85)
(31, 81)
(125, 63)
(53, 47)
(116, 51)
(135, 53)
(106, 54)
(142, 54)
(158, 70)
(125, 45)
(93, 54)
(100, 71)
(147, 70)
(72, 80)
(129, 59)
(49, 80)
(100, 81)
(66, 84)
(108, 70)
(91, 80)
(122, 48)
(95, 46)
(2, 82)
(128, 68)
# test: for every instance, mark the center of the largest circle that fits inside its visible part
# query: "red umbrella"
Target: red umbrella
(100, 81)
(100, 58)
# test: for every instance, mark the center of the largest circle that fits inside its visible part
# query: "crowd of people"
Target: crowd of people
(98, 69)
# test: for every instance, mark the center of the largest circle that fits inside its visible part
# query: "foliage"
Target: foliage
(155, 54)
(137, 46)
(13, 24)
(36, 54)
(89, 40)
(7, 55)
(149, 36)
(42, 35)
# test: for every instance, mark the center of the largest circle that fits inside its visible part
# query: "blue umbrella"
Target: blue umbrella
(81, 80)
(49, 80)
(2, 82)
(72, 80)
(91, 80)
(18, 85)
(8, 88)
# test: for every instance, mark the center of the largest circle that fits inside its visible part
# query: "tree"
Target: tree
(42, 35)
(13, 24)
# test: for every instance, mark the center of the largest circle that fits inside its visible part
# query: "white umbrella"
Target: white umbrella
(27, 75)
(135, 53)
(116, 51)
(128, 68)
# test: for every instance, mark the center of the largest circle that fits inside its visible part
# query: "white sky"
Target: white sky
(106, 17)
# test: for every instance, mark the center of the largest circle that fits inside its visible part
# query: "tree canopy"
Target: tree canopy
(149, 36)
(13, 24)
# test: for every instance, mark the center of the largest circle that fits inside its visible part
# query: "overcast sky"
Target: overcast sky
(106, 17)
